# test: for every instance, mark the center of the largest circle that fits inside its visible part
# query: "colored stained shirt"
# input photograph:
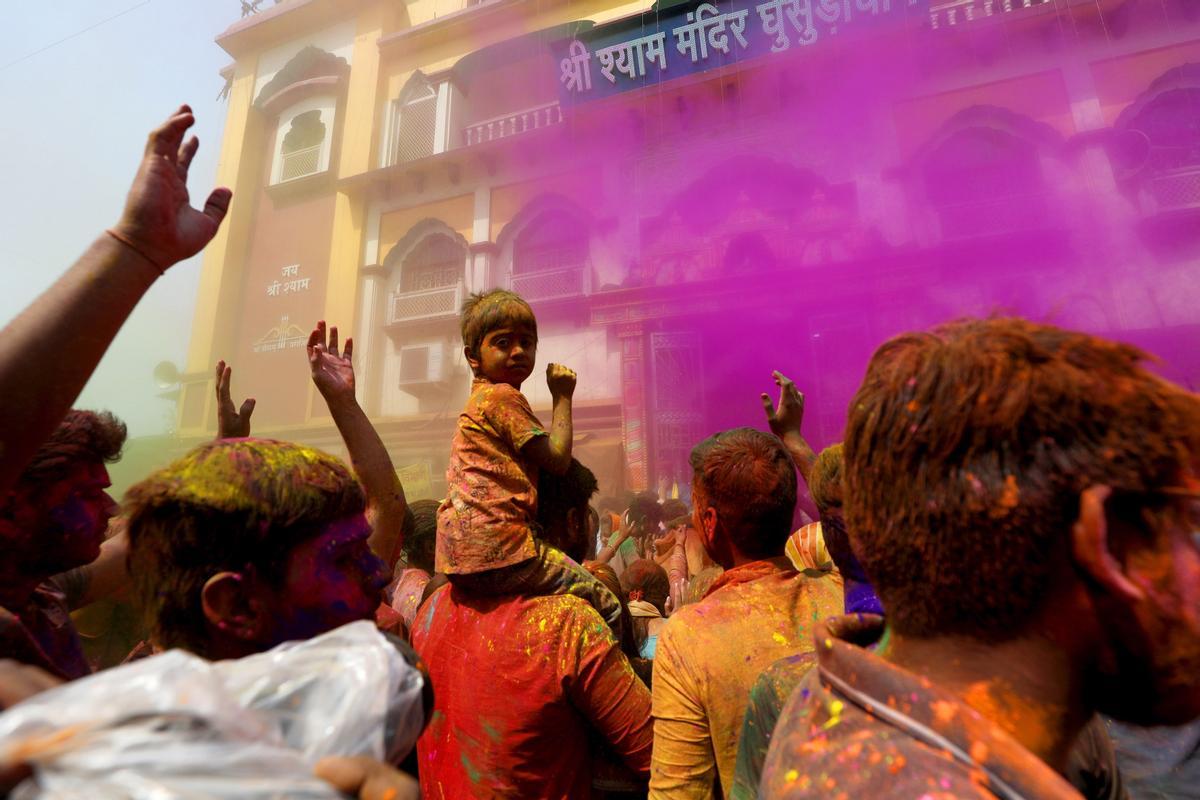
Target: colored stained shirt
(43, 634)
(860, 727)
(768, 696)
(521, 683)
(709, 655)
(486, 520)
(407, 594)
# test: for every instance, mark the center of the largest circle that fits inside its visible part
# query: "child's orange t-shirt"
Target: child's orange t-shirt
(486, 520)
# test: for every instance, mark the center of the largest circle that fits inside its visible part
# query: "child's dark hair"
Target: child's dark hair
(483, 312)
(422, 535)
(644, 511)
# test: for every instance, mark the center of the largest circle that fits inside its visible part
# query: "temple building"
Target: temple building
(690, 196)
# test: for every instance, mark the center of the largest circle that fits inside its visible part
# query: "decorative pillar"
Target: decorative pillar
(483, 250)
(368, 339)
(635, 433)
(481, 258)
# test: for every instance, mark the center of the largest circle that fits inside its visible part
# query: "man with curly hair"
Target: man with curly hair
(52, 526)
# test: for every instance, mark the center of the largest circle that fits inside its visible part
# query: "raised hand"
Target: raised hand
(158, 220)
(561, 380)
(332, 371)
(785, 418)
(232, 423)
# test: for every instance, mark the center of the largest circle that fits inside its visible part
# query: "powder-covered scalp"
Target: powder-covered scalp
(966, 451)
(227, 505)
(825, 480)
(484, 312)
(749, 478)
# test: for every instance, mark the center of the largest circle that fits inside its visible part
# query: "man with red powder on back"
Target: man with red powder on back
(524, 681)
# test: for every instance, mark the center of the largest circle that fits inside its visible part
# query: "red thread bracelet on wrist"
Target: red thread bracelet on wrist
(125, 241)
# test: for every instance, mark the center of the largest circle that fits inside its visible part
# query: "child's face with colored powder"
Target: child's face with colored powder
(506, 355)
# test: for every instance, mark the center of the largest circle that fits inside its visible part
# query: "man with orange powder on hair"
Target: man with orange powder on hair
(1024, 501)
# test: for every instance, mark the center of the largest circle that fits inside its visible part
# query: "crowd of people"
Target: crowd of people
(1006, 558)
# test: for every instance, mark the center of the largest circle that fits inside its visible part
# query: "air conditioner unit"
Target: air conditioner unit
(423, 365)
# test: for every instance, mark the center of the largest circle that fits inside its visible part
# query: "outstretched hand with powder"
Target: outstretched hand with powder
(332, 372)
(159, 222)
(785, 420)
(232, 423)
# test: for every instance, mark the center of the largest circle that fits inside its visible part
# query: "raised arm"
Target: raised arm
(333, 373)
(615, 541)
(553, 452)
(785, 420)
(68, 328)
(607, 692)
(232, 423)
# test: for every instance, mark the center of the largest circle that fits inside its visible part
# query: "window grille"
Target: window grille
(416, 123)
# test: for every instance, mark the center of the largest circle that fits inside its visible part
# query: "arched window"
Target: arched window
(1165, 165)
(555, 241)
(980, 163)
(414, 123)
(437, 262)
(300, 154)
(748, 252)
(984, 181)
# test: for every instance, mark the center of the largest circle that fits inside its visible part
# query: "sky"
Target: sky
(78, 113)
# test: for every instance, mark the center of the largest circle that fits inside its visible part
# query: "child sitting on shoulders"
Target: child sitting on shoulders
(486, 533)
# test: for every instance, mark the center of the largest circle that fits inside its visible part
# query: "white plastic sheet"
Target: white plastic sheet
(177, 727)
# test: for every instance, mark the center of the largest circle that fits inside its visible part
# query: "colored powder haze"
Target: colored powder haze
(883, 180)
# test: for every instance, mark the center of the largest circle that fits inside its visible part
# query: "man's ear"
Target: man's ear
(231, 607)
(472, 359)
(1089, 547)
(707, 518)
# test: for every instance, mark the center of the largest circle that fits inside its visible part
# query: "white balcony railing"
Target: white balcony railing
(1175, 190)
(443, 301)
(552, 284)
(299, 163)
(949, 13)
(1005, 215)
(513, 124)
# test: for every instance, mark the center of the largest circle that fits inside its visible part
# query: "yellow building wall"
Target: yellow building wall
(239, 168)
(440, 50)
(507, 201)
(457, 212)
(349, 216)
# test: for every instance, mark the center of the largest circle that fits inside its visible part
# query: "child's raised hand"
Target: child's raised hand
(561, 380)
(786, 417)
(332, 371)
